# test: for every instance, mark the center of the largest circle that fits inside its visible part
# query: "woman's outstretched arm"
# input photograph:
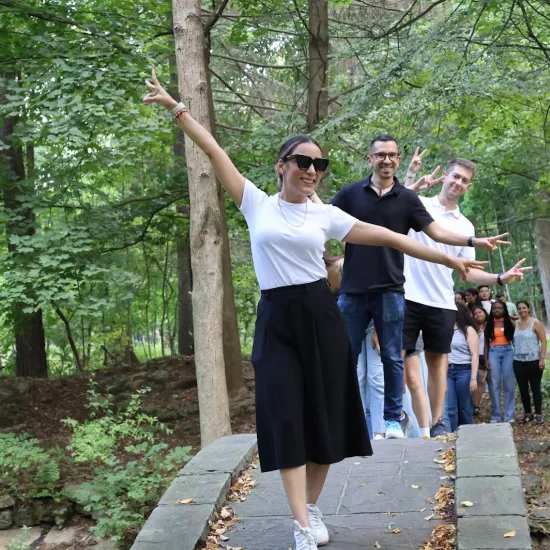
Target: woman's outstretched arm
(375, 235)
(231, 179)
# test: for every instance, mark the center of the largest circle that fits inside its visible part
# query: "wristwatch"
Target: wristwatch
(499, 280)
(471, 241)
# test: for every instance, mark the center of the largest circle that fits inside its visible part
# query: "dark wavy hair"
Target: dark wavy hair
(287, 148)
(464, 319)
(524, 302)
(480, 307)
(508, 325)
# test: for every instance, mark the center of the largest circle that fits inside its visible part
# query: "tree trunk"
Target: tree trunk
(30, 342)
(317, 109)
(185, 276)
(79, 367)
(542, 228)
(205, 231)
(231, 341)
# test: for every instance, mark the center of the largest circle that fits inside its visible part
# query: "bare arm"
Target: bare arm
(473, 343)
(514, 274)
(541, 333)
(375, 235)
(231, 179)
(486, 346)
(442, 235)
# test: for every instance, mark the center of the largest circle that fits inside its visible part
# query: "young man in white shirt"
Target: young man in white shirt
(429, 294)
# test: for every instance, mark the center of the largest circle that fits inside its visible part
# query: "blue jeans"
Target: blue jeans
(460, 407)
(370, 374)
(387, 309)
(501, 360)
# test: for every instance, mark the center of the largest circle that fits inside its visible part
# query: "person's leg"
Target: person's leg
(464, 397)
(413, 380)
(356, 318)
(535, 380)
(451, 399)
(375, 386)
(388, 309)
(437, 382)
(523, 384)
(495, 361)
(509, 383)
(362, 379)
(294, 481)
(315, 480)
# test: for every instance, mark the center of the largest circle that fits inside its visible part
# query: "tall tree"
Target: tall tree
(205, 232)
(30, 341)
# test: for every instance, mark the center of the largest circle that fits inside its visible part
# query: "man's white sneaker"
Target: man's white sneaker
(315, 517)
(394, 430)
(304, 539)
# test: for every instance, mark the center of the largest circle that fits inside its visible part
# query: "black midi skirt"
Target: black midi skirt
(308, 406)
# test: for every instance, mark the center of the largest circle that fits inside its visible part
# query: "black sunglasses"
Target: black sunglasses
(304, 162)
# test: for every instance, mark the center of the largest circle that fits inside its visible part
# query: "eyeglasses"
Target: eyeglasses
(304, 162)
(382, 156)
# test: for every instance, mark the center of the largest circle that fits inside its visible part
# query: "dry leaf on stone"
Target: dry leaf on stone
(185, 501)
(509, 534)
(415, 486)
(363, 485)
(466, 503)
(377, 545)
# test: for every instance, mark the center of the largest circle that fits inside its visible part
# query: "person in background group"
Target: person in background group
(472, 299)
(460, 297)
(485, 297)
(510, 306)
(529, 360)
(429, 293)
(372, 284)
(499, 358)
(308, 406)
(462, 371)
(480, 320)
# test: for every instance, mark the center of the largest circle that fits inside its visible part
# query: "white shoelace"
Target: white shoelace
(304, 538)
(315, 517)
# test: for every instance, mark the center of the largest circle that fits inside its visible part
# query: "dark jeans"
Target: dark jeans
(528, 373)
(460, 407)
(388, 310)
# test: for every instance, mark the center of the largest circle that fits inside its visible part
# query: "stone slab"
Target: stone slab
(480, 533)
(228, 454)
(205, 489)
(529, 446)
(9, 536)
(475, 440)
(501, 496)
(175, 528)
(384, 494)
(63, 536)
(347, 532)
(484, 467)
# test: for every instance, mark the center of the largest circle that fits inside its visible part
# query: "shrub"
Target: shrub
(26, 468)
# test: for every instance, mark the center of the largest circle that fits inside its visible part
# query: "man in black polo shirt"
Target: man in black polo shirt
(372, 283)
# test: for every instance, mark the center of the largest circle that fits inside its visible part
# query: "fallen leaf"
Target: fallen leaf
(377, 545)
(380, 493)
(509, 534)
(363, 485)
(466, 503)
(224, 538)
(415, 486)
(225, 513)
(439, 461)
(185, 501)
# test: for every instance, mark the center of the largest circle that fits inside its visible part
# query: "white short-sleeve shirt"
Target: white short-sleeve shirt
(432, 284)
(288, 239)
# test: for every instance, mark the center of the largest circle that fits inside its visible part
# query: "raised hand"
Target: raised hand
(158, 94)
(416, 161)
(463, 265)
(427, 182)
(515, 273)
(490, 243)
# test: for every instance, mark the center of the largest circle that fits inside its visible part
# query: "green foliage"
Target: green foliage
(100, 437)
(121, 496)
(26, 468)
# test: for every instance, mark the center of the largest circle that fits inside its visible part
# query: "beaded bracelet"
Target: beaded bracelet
(177, 109)
(179, 113)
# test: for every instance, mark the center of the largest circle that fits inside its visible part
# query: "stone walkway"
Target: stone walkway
(364, 499)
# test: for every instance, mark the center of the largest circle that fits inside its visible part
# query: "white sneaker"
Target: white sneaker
(304, 539)
(377, 437)
(394, 430)
(315, 517)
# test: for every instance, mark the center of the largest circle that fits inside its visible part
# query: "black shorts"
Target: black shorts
(437, 326)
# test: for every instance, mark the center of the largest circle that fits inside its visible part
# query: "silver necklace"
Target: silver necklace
(284, 217)
(380, 189)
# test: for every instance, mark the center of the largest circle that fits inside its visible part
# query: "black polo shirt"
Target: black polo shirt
(378, 268)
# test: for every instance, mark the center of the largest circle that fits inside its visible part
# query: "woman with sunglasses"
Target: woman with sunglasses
(308, 407)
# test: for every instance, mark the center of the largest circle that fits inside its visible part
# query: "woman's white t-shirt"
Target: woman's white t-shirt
(283, 253)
